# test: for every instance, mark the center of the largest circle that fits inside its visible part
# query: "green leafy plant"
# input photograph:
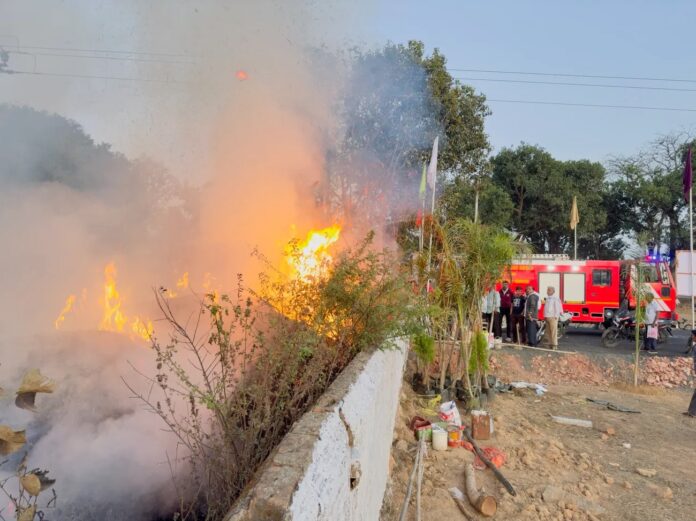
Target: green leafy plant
(233, 380)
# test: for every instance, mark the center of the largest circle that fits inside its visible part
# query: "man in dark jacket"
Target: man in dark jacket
(531, 314)
(692, 406)
(505, 305)
(519, 328)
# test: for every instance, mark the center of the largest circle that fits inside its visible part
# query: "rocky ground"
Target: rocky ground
(627, 467)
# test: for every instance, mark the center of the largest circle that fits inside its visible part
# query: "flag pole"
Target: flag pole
(575, 249)
(691, 250)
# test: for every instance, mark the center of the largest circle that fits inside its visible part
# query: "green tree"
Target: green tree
(396, 100)
(541, 189)
(651, 187)
(495, 207)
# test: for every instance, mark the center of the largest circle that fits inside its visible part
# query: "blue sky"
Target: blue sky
(612, 38)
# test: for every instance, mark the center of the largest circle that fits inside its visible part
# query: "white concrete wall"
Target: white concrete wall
(369, 409)
(308, 478)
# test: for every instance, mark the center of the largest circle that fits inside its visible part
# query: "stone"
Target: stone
(627, 485)
(604, 437)
(647, 473)
(609, 480)
(610, 431)
(568, 514)
(666, 493)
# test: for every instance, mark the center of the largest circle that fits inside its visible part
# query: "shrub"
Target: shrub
(233, 381)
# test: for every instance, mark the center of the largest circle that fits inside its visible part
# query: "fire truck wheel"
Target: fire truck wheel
(610, 337)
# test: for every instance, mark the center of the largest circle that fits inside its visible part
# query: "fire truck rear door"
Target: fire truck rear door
(547, 279)
(574, 288)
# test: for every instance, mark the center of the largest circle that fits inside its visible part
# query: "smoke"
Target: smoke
(245, 160)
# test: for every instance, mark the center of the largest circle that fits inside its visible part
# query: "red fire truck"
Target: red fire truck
(594, 290)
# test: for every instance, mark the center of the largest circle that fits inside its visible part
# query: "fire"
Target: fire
(112, 318)
(143, 329)
(66, 309)
(309, 258)
(182, 283)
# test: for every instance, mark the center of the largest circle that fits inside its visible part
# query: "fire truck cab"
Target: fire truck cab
(594, 290)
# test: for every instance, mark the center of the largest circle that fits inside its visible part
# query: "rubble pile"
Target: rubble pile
(667, 372)
(571, 369)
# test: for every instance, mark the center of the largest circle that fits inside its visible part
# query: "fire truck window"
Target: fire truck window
(663, 274)
(650, 273)
(601, 277)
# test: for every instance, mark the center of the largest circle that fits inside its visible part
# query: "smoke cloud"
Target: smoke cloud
(240, 136)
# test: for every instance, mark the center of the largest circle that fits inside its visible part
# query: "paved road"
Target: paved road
(590, 341)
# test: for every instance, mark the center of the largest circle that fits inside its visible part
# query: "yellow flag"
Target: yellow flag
(574, 215)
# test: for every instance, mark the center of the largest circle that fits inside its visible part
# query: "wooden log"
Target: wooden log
(483, 503)
(499, 475)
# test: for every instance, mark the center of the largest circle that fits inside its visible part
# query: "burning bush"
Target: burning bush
(234, 377)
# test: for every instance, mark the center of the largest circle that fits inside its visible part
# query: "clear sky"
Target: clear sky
(631, 38)
(635, 38)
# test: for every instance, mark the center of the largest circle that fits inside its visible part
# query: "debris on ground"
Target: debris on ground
(612, 406)
(575, 422)
(559, 474)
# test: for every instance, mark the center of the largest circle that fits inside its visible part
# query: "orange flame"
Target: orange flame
(112, 318)
(66, 309)
(311, 257)
(143, 329)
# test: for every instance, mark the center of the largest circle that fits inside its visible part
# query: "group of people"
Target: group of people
(521, 312)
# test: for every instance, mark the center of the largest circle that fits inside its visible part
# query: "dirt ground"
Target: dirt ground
(595, 474)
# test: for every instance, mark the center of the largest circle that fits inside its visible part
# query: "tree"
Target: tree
(651, 187)
(495, 207)
(541, 189)
(395, 102)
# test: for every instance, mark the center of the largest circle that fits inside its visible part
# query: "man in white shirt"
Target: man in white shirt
(552, 312)
(651, 310)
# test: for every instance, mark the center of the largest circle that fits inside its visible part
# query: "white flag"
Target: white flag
(432, 166)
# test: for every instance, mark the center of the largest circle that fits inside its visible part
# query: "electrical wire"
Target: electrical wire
(566, 75)
(105, 51)
(91, 76)
(573, 84)
(594, 105)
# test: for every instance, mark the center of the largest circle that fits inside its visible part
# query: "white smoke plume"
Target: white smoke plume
(242, 130)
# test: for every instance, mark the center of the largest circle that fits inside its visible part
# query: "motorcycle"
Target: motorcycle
(623, 327)
(563, 323)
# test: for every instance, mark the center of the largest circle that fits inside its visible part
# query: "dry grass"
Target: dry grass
(642, 389)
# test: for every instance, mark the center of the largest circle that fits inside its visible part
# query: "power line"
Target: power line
(92, 77)
(573, 84)
(105, 51)
(565, 75)
(594, 105)
(91, 56)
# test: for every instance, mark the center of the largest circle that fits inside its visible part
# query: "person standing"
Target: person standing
(491, 310)
(531, 314)
(552, 312)
(651, 311)
(505, 305)
(519, 333)
(692, 406)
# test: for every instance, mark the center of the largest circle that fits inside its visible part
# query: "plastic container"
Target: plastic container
(439, 439)
(453, 436)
